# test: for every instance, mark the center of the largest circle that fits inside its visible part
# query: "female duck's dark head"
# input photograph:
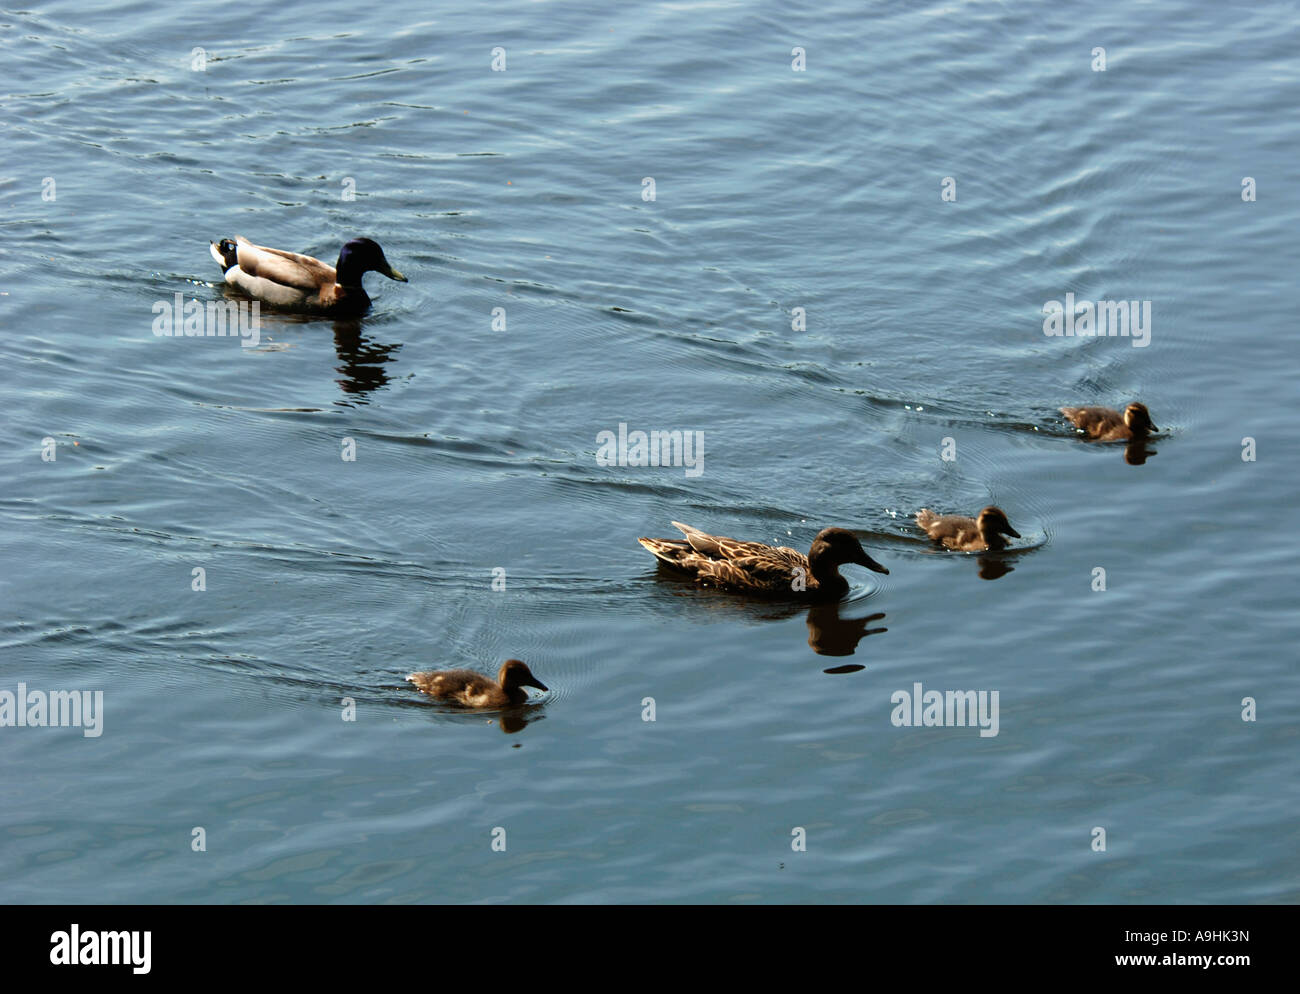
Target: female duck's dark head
(836, 547)
(361, 256)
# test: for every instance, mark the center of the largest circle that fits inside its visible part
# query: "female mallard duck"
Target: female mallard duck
(954, 531)
(477, 691)
(1104, 424)
(287, 279)
(755, 568)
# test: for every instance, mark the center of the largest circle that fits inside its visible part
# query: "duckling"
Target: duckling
(287, 279)
(477, 691)
(756, 568)
(1104, 424)
(955, 531)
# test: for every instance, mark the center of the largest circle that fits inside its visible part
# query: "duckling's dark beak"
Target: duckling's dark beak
(1008, 530)
(532, 681)
(393, 274)
(871, 564)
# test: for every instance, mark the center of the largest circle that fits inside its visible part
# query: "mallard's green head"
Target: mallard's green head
(361, 256)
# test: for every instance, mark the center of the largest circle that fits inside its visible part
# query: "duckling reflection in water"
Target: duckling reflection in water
(470, 689)
(996, 566)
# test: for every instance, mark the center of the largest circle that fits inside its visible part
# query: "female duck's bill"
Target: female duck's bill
(1105, 424)
(963, 534)
(288, 279)
(764, 570)
(477, 691)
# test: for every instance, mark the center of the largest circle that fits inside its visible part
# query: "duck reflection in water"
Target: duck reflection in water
(830, 632)
(362, 359)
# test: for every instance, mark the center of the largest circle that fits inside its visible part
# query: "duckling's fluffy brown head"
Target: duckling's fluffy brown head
(993, 520)
(839, 546)
(1138, 419)
(514, 673)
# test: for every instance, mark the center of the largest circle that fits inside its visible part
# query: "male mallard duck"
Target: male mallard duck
(954, 531)
(1107, 425)
(287, 279)
(477, 691)
(755, 568)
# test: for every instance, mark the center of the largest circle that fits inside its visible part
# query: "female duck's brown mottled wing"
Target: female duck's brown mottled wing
(777, 560)
(772, 569)
(743, 565)
(726, 562)
(672, 551)
(725, 573)
(284, 268)
(730, 549)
